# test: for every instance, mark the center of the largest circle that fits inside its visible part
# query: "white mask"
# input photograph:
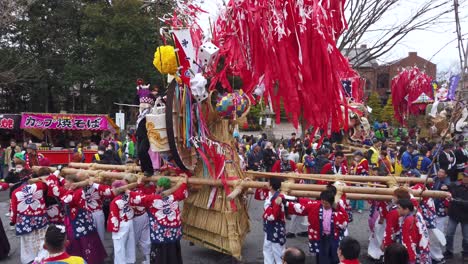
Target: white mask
(100, 152)
(19, 169)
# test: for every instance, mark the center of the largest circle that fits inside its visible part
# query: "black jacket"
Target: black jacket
(269, 158)
(458, 208)
(444, 163)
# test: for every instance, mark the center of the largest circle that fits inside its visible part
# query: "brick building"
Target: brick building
(379, 77)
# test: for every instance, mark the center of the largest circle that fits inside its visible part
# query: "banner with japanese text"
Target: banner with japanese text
(10, 121)
(64, 121)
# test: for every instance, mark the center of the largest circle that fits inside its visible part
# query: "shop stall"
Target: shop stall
(60, 134)
(9, 128)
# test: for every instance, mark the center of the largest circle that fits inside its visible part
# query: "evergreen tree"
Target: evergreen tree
(376, 105)
(388, 112)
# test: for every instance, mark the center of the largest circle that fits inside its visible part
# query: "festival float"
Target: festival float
(414, 93)
(281, 53)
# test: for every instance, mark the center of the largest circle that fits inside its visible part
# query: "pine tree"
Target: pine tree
(376, 105)
(388, 112)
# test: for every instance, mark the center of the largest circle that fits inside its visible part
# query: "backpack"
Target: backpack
(309, 162)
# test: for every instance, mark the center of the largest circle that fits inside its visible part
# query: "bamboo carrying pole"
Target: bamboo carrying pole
(355, 178)
(286, 186)
(97, 166)
(350, 196)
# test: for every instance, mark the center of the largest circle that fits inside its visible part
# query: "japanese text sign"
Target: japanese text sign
(64, 121)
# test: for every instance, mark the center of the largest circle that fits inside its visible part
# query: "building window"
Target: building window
(383, 81)
(368, 85)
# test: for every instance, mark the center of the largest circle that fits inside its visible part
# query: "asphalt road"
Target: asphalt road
(252, 250)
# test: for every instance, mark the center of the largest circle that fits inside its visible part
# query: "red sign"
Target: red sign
(9, 121)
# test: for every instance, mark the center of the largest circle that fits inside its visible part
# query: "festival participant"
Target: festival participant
(407, 157)
(360, 166)
(414, 235)
(255, 159)
(9, 154)
(129, 148)
(20, 175)
(269, 156)
(342, 202)
(321, 160)
(374, 152)
(441, 183)
(376, 223)
(385, 165)
(348, 251)
(4, 244)
(55, 210)
(293, 255)
(446, 160)
(28, 214)
(95, 194)
(106, 139)
(80, 227)
(308, 161)
(292, 140)
(31, 156)
(165, 222)
(99, 156)
(336, 167)
(120, 224)
(396, 254)
(327, 223)
(294, 155)
(421, 162)
(55, 244)
(273, 221)
(284, 164)
(461, 156)
(428, 211)
(390, 216)
(458, 214)
(147, 101)
(141, 219)
(297, 224)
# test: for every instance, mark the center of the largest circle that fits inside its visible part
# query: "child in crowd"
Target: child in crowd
(273, 221)
(390, 216)
(327, 223)
(348, 251)
(120, 223)
(396, 254)
(55, 244)
(414, 234)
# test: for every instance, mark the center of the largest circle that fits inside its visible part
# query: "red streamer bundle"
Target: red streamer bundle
(407, 86)
(290, 47)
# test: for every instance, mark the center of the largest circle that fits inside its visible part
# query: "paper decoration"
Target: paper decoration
(207, 53)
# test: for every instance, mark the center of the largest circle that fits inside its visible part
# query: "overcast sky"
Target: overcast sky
(426, 43)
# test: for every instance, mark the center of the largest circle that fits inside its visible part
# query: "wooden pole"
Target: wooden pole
(286, 186)
(350, 196)
(355, 178)
(361, 190)
(97, 166)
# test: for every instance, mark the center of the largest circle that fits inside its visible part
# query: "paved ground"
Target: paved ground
(252, 251)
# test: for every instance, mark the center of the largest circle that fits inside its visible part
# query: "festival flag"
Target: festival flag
(454, 80)
(183, 42)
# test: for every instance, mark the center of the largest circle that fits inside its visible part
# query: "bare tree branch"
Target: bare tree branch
(365, 15)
